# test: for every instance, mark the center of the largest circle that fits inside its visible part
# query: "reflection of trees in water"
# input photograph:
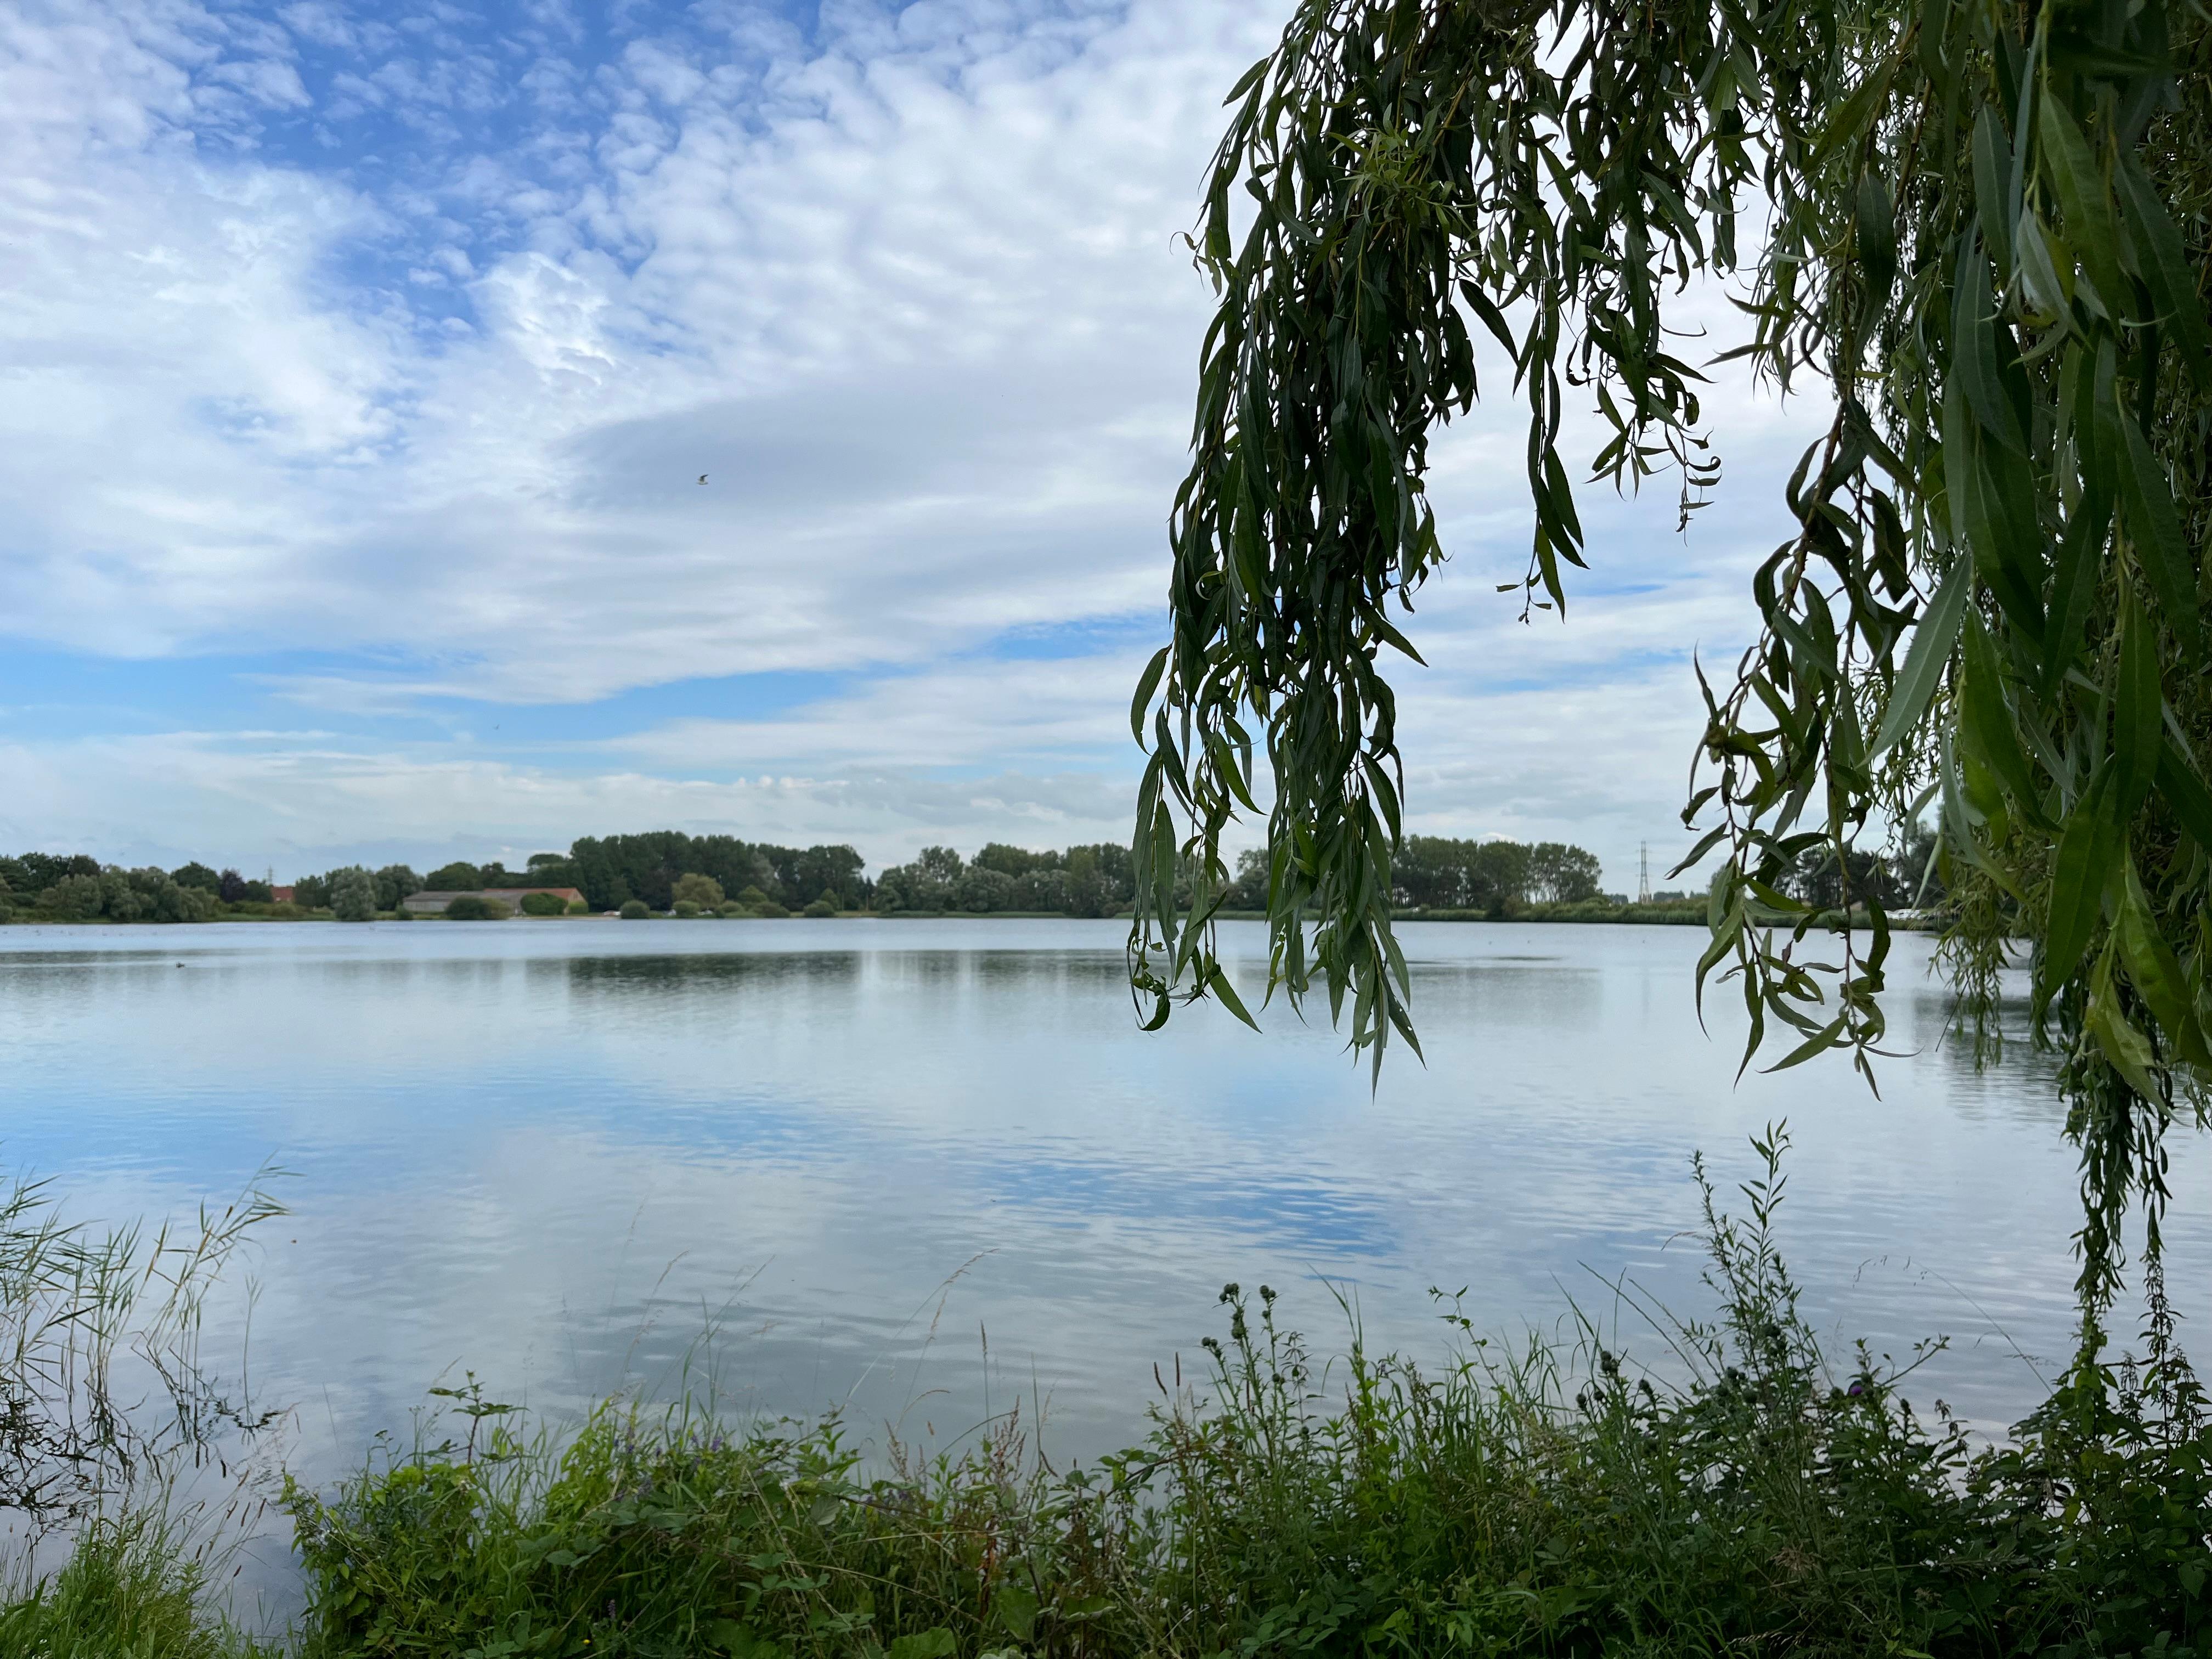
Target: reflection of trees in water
(843, 996)
(635, 976)
(1027, 971)
(1542, 991)
(755, 1000)
(1072, 969)
(2009, 1077)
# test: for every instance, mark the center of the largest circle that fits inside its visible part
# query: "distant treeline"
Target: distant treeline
(615, 871)
(1080, 881)
(611, 873)
(612, 870)
(1434, 872)
(75, 887)
(389, 885)
(1431, 873)
(1902, 880)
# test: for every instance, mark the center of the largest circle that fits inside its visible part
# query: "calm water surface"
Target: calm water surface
(916, 1168)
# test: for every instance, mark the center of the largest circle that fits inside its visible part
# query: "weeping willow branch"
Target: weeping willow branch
(1983, 236)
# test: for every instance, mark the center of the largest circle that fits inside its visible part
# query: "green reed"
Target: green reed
(131, 1588)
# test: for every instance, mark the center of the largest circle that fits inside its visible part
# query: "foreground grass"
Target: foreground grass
(1542, 1502)
(132, 1589)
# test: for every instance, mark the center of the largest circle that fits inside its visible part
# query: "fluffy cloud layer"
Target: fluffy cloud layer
(367, 359)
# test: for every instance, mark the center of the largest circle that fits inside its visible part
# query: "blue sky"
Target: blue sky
(362, 361)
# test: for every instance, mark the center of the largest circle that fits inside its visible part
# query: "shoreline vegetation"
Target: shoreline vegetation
(1749, 1493)
(670, 873)
(1661, 912)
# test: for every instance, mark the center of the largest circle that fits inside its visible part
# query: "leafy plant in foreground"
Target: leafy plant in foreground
(1745, 1497)
(131, 1588)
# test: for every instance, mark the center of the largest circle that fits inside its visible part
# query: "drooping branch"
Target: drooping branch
(1982, 232)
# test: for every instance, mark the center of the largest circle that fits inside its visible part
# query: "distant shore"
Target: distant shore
(1682, 913)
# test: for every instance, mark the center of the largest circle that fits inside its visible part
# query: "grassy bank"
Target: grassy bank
(1535, 1501)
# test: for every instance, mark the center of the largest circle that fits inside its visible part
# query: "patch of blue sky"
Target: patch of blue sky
(47, 693)
(473, 130)
(56, 695)
(723, 697)
(463, 127)
(1087, 636)
(1628, 666)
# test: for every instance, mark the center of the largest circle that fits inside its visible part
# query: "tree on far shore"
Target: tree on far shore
(353, 894)
(695, 889)
(394, 883)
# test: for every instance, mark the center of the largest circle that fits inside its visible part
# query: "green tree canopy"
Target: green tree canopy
(703, 891)
(394, 883)
(73, 898)
(33, 872)
(1076, 881)
(1560, 874)
(1979, 235)
(613, 869)
(552, 869)
(120, 895)
(455, 878)
(353, 894)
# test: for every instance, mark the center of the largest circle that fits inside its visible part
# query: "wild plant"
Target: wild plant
(103, 1390)
(1742, 1495)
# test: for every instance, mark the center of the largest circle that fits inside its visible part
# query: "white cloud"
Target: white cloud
(908, 295)
(299, 803)
(923, 329)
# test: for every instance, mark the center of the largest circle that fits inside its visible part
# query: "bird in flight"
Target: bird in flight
(702, 477)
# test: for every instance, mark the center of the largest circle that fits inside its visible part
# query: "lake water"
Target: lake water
(918, 1168)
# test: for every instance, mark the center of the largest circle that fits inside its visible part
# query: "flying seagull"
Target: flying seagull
(702, 477)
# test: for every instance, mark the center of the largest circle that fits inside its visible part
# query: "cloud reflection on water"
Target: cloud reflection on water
(556, 1154)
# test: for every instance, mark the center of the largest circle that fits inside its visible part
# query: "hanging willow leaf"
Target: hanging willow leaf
(2156, 971)
(2168, 560)
(1924, 663)
(1986, 728)
(1986, 228)
(2138, 712)
(2165, 271)
(2091, 228)
(2186, 794)
(2125, 1046)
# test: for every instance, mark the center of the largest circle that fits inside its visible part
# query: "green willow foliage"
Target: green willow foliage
(1980, 225)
